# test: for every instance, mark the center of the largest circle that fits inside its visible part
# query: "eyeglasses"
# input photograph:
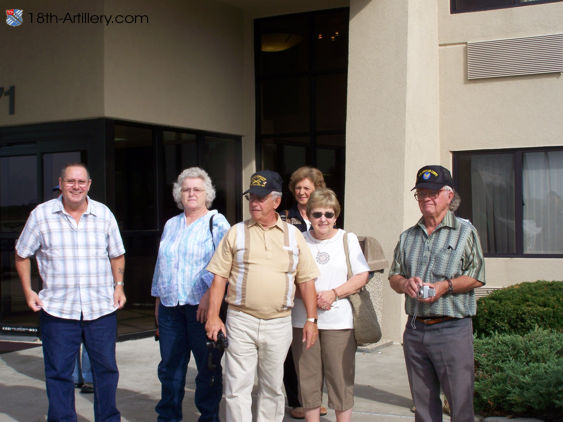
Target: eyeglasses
(318, 214)
(196, 191)
(433, 194)
(251, 197)
(72, 182)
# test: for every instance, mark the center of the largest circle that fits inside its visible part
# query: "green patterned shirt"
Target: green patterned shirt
(453, 249)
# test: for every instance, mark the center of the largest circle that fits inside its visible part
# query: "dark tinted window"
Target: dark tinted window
(514, 198)
(458, 6)
(301, 84)
(135, 190)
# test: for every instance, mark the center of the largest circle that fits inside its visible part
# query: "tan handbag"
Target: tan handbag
(366, 326)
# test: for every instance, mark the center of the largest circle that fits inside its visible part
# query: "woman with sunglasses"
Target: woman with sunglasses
(332, 357)
(302, 183)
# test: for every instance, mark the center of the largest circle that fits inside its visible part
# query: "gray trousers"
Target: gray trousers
(440, 355)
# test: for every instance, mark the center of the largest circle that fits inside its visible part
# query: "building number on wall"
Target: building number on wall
(11, 94)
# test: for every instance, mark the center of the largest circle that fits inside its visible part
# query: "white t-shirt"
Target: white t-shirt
(331, 261)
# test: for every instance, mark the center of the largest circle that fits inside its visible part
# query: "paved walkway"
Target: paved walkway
(382, 392)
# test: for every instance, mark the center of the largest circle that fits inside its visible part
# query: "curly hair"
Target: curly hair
(313, 174)
(193, 173)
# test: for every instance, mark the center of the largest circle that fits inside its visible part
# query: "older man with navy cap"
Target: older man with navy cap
(265, 260)
(437, 265)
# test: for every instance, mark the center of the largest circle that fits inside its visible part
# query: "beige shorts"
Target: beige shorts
(333, 357)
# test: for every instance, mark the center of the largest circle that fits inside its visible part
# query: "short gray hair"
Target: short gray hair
(456, 201)
(193, 173)
(77, 164)
(276, 194)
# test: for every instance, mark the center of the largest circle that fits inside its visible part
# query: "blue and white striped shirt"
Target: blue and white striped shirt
(180, 275)
(73, 259)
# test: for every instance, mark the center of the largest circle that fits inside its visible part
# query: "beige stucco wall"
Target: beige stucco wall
(184, 68)
(509, 112)
(392, 123)
(57, 69)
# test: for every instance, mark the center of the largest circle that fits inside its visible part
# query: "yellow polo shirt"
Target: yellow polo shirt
(263, 266)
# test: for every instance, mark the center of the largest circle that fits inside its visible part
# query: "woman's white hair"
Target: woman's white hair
(194, 173)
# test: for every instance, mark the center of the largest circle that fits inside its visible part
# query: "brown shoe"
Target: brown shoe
(323, 411)
(297, 413)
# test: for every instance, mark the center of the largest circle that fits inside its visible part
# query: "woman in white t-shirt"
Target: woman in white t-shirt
(333, 355)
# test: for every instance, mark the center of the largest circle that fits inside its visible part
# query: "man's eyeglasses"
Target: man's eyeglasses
(432, 194)
(318, 214)
(72, 182)
(251, 197)
(196, 191)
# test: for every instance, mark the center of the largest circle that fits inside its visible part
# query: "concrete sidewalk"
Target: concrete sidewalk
(382, 390)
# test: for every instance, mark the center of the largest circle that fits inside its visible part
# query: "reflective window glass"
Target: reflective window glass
(179, 152)
(52, 165)
(135, 188)
(221, 159)
(18, 191)
(542, 222)
(285, 105)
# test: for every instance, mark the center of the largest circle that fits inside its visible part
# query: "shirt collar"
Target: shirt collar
(58, 206)
(449, 220)
(279, 223)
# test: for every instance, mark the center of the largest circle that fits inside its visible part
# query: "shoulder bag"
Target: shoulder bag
(366, 325)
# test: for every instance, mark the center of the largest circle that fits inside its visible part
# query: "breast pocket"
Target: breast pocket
(445, 263)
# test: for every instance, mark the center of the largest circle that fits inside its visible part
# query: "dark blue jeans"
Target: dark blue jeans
(180, 333)
(61, 343)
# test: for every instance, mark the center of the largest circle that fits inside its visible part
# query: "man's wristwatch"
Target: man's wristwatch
(313, 320)
(450, 286)
(118, 283)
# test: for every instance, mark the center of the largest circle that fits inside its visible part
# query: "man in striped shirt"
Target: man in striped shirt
(264, 260)
(80, 257)
(441, 252)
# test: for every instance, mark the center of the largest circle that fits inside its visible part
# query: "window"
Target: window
(301, 82)
(135, 190)
(459, 6)
(514, 198)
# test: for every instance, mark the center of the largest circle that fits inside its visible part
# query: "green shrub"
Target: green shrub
(520, 375)
(520, 308)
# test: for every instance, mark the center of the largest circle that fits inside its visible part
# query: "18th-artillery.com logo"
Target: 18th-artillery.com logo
(14, 17)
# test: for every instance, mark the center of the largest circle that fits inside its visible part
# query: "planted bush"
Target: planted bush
(520, 375)
(520, 308)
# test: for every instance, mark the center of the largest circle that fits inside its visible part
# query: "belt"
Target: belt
(434, 320)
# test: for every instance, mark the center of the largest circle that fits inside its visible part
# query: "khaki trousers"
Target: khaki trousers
(257, 347)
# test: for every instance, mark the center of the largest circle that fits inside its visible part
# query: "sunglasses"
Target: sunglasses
(318, 214)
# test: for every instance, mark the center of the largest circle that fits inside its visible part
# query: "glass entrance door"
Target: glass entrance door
(28, 177)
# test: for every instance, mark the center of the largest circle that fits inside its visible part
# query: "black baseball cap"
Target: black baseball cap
(433, 177)
(263, 182)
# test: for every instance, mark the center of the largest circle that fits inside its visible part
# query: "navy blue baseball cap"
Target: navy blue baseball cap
(263, 182)
(433, 177)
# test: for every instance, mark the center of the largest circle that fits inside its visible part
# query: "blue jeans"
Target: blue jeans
(180, 333)
(82, 372)
(61, 343)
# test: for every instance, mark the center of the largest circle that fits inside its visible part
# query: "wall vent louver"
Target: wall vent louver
(516, 56)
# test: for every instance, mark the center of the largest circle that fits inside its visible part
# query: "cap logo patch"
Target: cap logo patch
(427, 173)
(258, 180)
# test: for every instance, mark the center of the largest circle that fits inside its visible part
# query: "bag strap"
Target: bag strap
(347, 253)
(211, 230)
